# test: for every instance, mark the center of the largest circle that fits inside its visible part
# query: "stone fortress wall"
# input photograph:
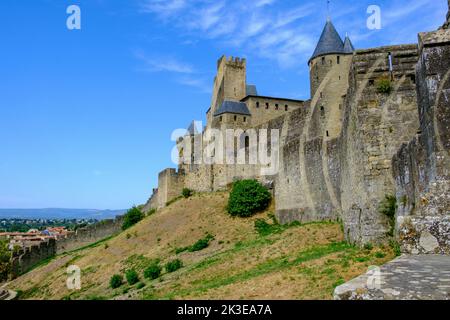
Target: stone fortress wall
(26, 258)
(422, 167)
(337, 149)
(90, 234)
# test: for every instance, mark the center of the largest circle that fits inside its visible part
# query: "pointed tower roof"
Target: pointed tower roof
(330, 42)
(348, 45)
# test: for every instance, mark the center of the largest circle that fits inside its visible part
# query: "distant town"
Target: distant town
(24, 225)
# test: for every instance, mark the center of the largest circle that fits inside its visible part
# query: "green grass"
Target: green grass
(266, 267)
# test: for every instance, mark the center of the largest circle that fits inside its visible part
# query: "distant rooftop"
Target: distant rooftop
(233, 107)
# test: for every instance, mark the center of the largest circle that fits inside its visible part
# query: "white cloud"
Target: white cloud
(166, 64)
(164, 8)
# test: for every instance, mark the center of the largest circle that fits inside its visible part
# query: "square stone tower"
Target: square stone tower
(229, 84)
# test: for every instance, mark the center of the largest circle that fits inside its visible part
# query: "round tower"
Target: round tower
(329, 69)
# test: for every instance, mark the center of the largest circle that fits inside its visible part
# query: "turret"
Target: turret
(329, 69)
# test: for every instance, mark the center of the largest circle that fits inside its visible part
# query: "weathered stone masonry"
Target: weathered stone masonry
(337, 148)
(422, 167)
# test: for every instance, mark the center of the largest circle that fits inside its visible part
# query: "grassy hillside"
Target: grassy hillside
(271, 262)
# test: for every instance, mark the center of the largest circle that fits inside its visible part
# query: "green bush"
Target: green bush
(187, 193)
(201, 244)
(140, 285)
(5, 260)
(132, 277)
(388, 207)
(247, 198)
(152, 272)
(133, 216)
(116, 281)
(384, 85)
(174, 265)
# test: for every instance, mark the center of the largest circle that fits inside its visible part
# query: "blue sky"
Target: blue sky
(86, 115)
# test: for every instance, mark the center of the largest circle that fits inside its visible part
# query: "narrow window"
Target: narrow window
(323, 60)
(257, 104)
(235, 118)
(412, 78)
(276, 106)
(245, 119)
(321, 95)
(220, 118)
(328, 134)
(339, 77)
(247, 142)
(322, 110)
(338, 59)
(286, 107)
(267, 105)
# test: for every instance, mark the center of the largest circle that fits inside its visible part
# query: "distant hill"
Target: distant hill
(56, 213)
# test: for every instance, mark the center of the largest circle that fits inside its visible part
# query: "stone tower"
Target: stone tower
(229, 83)
(329, 68)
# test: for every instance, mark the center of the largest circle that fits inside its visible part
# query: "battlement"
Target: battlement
(231, 61)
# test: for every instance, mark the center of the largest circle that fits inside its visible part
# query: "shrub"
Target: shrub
(133, 216)
(116, 281)
(201, 244)
(132, 277)
(140, 285)
(5, 260)
(247, 198)
(187, 193)
(388, 207)
(152, 272)
(174, 265)
(384, 85)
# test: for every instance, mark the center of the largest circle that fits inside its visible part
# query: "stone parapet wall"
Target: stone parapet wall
(26, 258)
(90, 234)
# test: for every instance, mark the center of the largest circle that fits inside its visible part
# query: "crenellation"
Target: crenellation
(335, 159)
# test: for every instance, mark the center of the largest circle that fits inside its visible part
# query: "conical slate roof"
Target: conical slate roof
(330, 42)
(348, 46)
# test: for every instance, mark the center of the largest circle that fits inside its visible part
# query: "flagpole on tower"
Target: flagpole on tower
(328, 10)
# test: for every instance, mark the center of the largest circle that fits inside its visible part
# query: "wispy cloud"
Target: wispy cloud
(249, 26)
(164, 8)
(183, 73)
(167, 64)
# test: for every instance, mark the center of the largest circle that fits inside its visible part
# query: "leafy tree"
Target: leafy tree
(116, 281)
(247, 198)
(133, 216)
(153, 272)
(187, 193)
(5, 260)
(174, 265)
(132, 277)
